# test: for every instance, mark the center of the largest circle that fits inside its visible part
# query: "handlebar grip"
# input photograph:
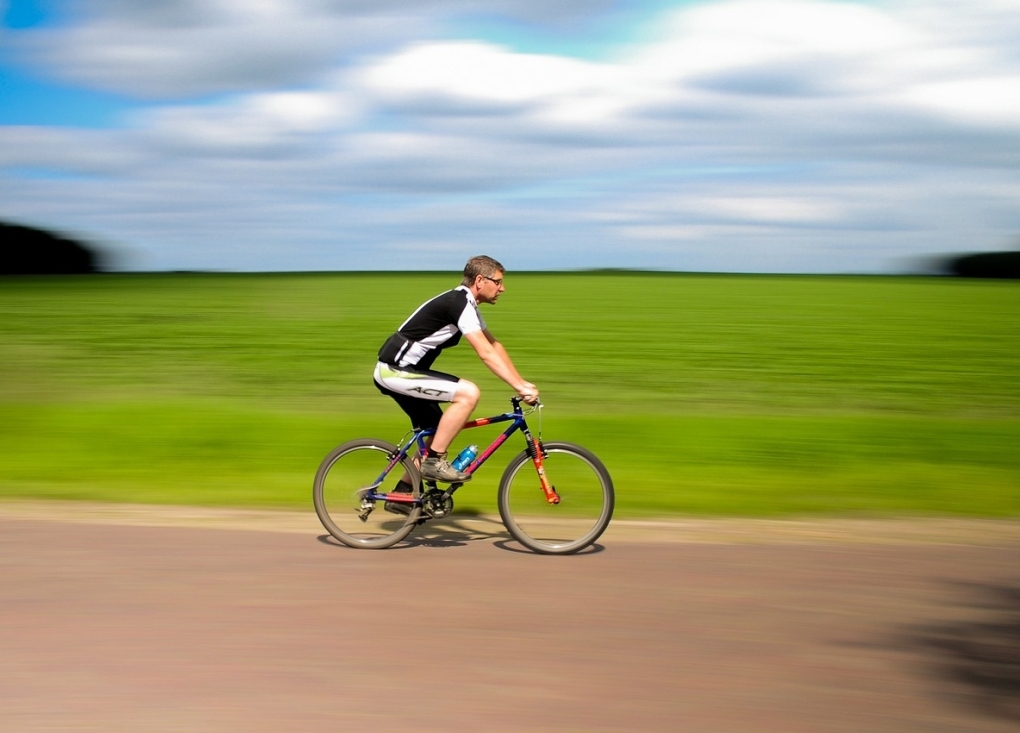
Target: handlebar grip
(516, 401)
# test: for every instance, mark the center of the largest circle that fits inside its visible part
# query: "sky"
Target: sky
(780, 136)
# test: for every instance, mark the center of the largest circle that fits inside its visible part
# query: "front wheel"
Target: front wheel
(586, 500)
(342, 494)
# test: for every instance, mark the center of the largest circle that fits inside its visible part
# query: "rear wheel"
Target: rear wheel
(341, 488)
(586, 500)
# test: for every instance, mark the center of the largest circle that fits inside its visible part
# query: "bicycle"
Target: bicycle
(549, 518)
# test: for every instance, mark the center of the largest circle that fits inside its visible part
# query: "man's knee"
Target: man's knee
(468, 392)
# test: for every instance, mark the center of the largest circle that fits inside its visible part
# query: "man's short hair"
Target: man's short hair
(480, 265)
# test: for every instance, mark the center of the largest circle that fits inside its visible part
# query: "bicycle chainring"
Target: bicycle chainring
(436, 504)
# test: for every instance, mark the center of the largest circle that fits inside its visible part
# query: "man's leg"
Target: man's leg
(423, 414)
(435, 467)
(458, 413)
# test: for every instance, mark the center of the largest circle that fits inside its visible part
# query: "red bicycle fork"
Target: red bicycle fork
(548, 489)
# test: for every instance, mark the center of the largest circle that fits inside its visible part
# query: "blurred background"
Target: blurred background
(269, 188)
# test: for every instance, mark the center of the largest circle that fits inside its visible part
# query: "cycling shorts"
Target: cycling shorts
(418, 392)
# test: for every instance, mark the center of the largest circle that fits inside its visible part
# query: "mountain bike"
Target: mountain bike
(554, 498)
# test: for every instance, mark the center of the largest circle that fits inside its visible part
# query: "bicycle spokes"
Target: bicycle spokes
(565, 518)
(348, 501)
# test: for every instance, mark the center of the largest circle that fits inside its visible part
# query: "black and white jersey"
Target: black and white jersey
(437, 324)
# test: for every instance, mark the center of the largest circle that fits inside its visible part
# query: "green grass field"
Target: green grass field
(735, 395)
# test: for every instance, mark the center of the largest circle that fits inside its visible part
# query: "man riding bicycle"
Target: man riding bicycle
(404, 371)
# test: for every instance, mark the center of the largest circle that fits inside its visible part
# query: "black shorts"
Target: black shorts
(434, 387)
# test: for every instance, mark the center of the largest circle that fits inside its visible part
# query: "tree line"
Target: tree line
(29, 251)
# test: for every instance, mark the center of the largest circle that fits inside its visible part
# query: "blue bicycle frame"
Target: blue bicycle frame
(517, 421)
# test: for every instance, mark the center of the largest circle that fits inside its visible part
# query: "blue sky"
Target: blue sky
(736, 135)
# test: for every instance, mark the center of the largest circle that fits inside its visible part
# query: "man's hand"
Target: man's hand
(528, 392)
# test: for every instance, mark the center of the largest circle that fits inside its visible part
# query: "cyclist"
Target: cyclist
(404, 371)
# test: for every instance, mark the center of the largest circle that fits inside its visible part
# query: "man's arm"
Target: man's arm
(496, 358)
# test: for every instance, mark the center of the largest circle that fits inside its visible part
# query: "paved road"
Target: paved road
(117, 627)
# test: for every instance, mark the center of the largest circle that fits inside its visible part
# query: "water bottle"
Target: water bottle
(464, 458)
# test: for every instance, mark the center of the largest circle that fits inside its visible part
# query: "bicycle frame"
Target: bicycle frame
(518, 422)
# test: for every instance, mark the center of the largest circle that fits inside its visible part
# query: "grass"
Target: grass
(737, 395)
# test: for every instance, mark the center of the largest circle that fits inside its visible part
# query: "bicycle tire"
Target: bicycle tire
(587, 500)
(339, 487)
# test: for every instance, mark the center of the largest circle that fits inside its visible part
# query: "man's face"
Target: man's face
(490, 288)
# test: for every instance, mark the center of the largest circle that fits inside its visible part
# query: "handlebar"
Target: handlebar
(516, 401)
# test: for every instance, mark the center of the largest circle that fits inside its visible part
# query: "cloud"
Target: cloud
(802, 72)
(259, 125)
(188, 48)
(482, 73)
(983, 100)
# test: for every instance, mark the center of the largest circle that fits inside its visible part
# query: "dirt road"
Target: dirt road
(220, 625)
